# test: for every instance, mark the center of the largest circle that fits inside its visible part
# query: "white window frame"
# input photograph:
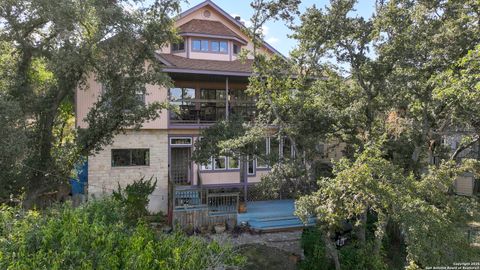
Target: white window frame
(204, 168)
(267, 152)
(254, 166)
(238, 163)
(215, 163)
(181, 138)
(282, 143)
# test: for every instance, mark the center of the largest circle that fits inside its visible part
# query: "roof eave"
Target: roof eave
(207, 72)
(192, 34)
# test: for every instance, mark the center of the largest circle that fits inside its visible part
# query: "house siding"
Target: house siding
(154, 135)
(464, 185)
(103, 178)
(88, 95)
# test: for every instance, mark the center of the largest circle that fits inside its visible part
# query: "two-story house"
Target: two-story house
(210, 83)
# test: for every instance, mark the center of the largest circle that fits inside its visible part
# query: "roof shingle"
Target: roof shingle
(178, 62)
(207, 27)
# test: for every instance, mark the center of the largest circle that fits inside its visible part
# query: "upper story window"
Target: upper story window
(178, 46)
(236, 49)
(243, 104)
(205, 45)
(184, 99)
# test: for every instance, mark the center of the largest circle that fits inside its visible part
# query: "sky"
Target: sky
(276, 33)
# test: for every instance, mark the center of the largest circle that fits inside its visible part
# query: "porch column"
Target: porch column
(226, 99)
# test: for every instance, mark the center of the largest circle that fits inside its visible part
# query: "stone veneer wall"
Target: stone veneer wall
(102, 177)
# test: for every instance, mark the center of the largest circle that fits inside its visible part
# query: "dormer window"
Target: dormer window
(178, 46)
(236, 49)
(214, 46)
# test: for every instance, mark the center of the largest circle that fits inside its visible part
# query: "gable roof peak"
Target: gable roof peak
(229, 17)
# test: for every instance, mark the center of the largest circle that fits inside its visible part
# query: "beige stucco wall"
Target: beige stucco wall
(87, 95)
(218, 177)
(103, 178)
(258, 176)
(210, 56)
(464, 185)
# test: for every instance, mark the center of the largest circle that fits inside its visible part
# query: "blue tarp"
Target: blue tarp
(78, 184)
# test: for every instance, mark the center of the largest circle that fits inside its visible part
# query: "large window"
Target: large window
(212, 105)
(205, 45)
(209, 108)
(200, 106)
(243, 104)
(184, 100)
(130, 157)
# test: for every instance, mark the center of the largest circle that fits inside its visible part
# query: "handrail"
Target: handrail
(222, 203)
(185, 199)
(223, 194)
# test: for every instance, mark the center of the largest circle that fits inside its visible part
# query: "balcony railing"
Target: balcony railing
(194, 116)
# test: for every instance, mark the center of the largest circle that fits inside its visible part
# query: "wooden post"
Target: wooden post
(227, 107)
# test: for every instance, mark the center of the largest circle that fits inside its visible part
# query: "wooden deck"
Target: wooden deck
(276, 215)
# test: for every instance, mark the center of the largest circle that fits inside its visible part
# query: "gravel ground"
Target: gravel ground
(286, 241)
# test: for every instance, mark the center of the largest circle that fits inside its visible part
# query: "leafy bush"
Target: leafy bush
(352, 256)
(134, 198)
(314, 250)
(355, 257)
(94, 236)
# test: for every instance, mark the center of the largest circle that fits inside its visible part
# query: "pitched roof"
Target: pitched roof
(207, 27)
(176, 63)
(229, 17)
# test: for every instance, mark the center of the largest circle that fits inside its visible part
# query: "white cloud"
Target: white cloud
(265, 30)
(272, 40)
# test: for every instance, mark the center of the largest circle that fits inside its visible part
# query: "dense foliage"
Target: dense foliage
(388, 90)
(95, 236)
(48, 50)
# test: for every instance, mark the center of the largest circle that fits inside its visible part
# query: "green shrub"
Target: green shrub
(95, 236)
(314, 250)
(351, 256)
(355, 257)
(134, 198)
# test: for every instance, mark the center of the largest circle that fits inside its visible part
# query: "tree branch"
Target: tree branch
(464, 146)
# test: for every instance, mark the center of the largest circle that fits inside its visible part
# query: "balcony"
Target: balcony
(207, 106)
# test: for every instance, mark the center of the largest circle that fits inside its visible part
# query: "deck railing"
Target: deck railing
(222, 203)
(197, 207)
(189, 198)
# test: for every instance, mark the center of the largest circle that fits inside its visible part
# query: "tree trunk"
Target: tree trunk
(331, 249)
(380, 233)
(361, 229)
